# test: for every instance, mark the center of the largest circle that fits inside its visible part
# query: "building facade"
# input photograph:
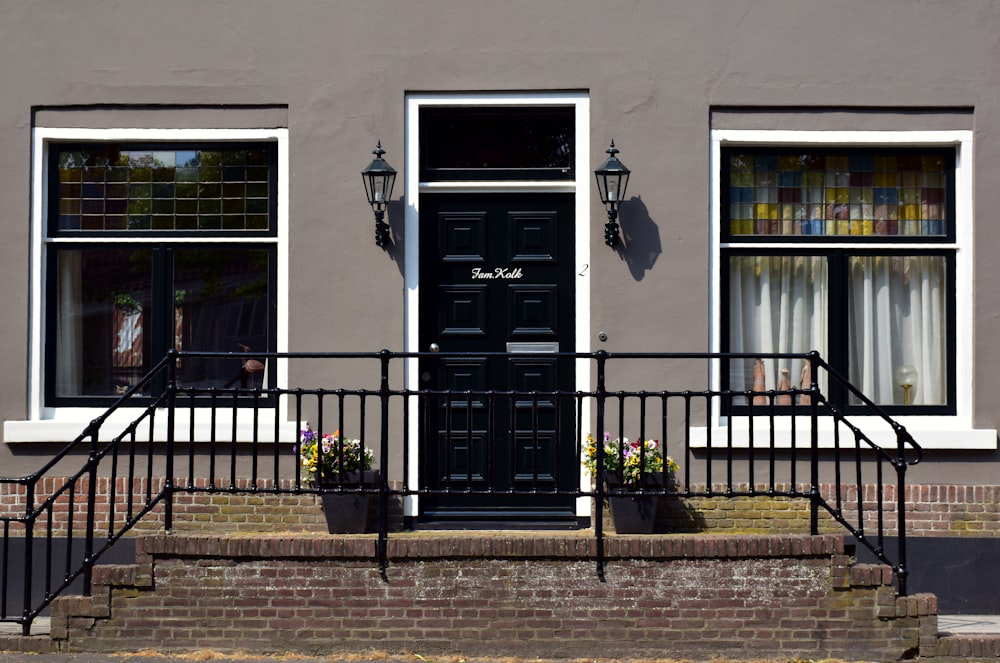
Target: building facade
(804, 176)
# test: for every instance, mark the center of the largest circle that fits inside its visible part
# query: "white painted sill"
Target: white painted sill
(66, 424)
(928, 432)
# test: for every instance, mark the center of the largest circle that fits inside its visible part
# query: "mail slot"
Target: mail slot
(533, 347)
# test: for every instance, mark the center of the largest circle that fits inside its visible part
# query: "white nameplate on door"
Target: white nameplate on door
(499, 273)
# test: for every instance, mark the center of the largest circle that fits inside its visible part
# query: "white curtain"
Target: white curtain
(776, 304)
(897, 319)
(69, 324)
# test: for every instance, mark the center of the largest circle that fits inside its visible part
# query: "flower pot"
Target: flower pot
(347, 513)
(634, 514)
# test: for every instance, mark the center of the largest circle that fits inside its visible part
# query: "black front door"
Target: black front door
(496, 276)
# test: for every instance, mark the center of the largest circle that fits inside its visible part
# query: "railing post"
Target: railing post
(901, 569)
(88, 537)
(814, 496)
(29, 548)
(383, 490)
(168, 481)
(601, 356)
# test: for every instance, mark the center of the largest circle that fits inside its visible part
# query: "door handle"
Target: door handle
(435, 347)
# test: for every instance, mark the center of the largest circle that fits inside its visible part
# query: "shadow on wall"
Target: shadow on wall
(677, 515)
(395, 216)
(640, 245)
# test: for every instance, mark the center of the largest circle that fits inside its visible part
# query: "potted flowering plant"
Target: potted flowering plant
(630, 465)
(332, 461)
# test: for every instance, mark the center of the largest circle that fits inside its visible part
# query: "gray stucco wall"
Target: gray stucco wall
(659, 75)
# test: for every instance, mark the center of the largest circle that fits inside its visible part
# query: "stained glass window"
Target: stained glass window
(119, 188)
(868, 193)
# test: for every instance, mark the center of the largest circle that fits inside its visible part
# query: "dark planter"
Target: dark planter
(347, 513)
(634, 514)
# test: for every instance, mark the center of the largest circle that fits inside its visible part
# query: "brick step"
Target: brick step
(30, 644)
(968, 647)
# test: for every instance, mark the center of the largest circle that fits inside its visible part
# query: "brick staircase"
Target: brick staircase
(500, 593)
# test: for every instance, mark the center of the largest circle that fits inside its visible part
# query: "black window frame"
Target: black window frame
(837, 257)
(162, 244)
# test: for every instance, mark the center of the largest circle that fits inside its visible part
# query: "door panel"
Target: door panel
(496, 275)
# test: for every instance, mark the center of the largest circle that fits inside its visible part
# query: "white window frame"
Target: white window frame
(45, 423)
(931, 432)
(579, 186)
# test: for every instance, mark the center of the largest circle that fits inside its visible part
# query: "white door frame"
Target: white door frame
(413, 187)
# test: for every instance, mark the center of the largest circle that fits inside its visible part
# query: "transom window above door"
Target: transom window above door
(497, 143)
(847, 251)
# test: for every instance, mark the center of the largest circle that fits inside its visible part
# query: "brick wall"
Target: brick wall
(528, 595)
(218, 512)
(932, 510)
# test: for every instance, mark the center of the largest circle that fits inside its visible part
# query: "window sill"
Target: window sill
(66, 424)
(929, 433)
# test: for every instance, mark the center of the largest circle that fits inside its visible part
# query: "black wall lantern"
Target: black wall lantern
(612, 178)
(379, 177)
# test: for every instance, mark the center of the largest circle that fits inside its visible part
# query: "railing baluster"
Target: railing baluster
(298, 440)
(902, 570)
(29, 544)
(642, 437)
(879, 487)
(168, 485)
(470, 454)
(318, 432)
(491, 416)
(113, 487)
(534, 442)
(406, 440)
(49, 549)
(4, 569)
(383, 502)
(750, 441)
(149, 459)
(213, 395)
(859, 485)
(836, 470)
(558, 405)
(233, 435)
(814, 496)
(276, 446)
(191, 437)
(131, 474)
(771, 456)
(255, 442)
(687, 441)
(664, 437)
(601, 394)
(69, 528)
(728, 400)
(88, 541)
(709, 448)
(362, 428)
(512, 442)
(449, 442)
(793, 456)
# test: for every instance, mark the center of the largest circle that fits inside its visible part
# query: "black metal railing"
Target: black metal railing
(463, 447)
